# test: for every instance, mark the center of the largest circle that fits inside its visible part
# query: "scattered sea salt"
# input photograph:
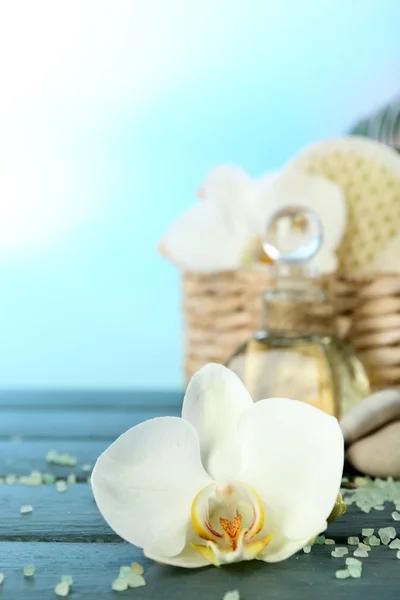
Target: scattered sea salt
(339, 552)
(386, 534)
(62, 589)
(132, 576)
(329, 542)
(64, 460)
(367, 532)
(71, 479)
(10, 479)
(374, 541)
(396, 516)
(232, 595)
(353, 541)
(67, 579)
(355, 571)
(362, 481)
(395, 545)
(379, 507)
(29, 570)
(360, 553)
(48, 478)
(26, 509)
(61, 486)
(319, 540)
(124, 571)
(353, 561)
(307, 549)
(342, 574)
(363, 546)
(119, 585)
(134, 580)
(136, 568)
(1, 578)
(86, 468)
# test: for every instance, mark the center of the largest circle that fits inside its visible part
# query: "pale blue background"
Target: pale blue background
(111, 112)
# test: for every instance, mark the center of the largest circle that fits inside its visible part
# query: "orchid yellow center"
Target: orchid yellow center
(230, 521)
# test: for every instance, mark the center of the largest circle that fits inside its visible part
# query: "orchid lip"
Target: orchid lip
(217, 508)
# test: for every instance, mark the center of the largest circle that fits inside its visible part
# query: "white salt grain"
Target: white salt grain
(342, 574)
(119, 585)
(396, 516)
(48, 478)
(379, 507)
(86, 468)
(386, 534)
(367, 532)
(329, 542)
(355, 571)
(360, 553)
(398, 554)
(61, 486)
(124, 571)
(341, 550)
(1, 578)
(374, 541)
(134, 580)
(136, 568)
(29, 570)
(67, 579)
(353, 561)
(26, 509)
(232, 595)
(320, 540)
(363, 546)
(353, 541)
(361, 481)
(307, 549)
(62, 589)
(395, 545)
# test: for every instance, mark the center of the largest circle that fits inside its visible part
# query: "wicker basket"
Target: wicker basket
(220, 311)
(370, 304)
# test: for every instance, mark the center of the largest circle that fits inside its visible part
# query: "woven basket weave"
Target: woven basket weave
(220, 310)
(371, 306)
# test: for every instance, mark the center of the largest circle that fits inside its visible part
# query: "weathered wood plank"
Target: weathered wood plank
(66, 516)
(73, 516)
(23, 457)
(94, 567)
(84, 424)
(88, 399)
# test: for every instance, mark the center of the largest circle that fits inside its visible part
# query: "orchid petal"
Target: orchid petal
(228, 186)
(292, 454)
(145, 482)
(215, 400)
(189, 558)
(206, 238)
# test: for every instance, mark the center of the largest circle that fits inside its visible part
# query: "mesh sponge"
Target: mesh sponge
(369, 174)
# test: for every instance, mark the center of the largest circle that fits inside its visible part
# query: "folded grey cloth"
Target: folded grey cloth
(383, 125)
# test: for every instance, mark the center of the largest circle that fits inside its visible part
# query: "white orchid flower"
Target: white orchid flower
(231, 480)
(212, 234)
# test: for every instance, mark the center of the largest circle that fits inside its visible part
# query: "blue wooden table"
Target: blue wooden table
(65, 534)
